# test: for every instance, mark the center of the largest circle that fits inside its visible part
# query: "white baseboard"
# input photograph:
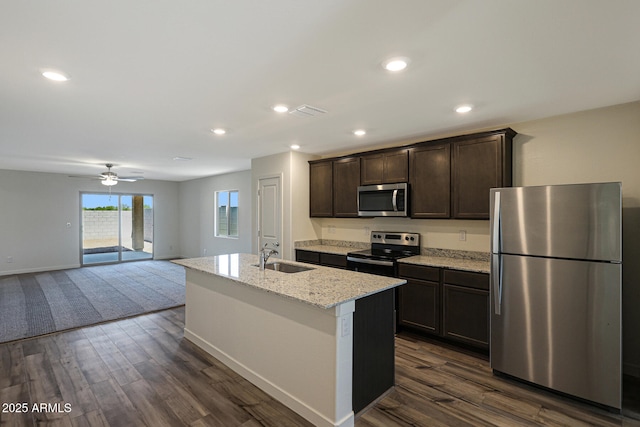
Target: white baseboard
(267, 386)
(39, 269)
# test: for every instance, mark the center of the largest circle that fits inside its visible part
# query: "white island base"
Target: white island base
(298, 353)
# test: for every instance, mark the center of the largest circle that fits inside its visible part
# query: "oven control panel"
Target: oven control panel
(391, 238)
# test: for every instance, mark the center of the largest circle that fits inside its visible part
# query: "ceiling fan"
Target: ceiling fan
(109, 178)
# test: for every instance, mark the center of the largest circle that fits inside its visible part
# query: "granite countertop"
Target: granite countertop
(474, 265)
(445, 258)
(329, 249)
(322, 287)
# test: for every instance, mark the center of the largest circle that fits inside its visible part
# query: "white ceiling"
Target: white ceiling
(150, 78)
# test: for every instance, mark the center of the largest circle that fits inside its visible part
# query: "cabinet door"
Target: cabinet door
(396, 166)
(419, 305)
(466, 315)
(478, 165)
(372, 169)
(430, 168)
(321, 189)
(346, 178)
(385, 168)
(466, 307)
(419, 300)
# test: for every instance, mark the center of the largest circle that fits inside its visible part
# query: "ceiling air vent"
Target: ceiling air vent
(307, 111)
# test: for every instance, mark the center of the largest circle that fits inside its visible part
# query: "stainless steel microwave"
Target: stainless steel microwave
(383, 200)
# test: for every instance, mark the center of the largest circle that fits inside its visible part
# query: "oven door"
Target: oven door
(371, 266)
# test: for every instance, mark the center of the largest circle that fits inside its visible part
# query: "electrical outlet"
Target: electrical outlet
(346, 327)
(204, 251)
(462, 235)
(9, 259)
(367, 231)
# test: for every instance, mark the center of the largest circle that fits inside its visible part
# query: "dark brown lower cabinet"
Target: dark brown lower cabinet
(454, 306)
(419, 298)
(321, 258)
(333, 260)
(465, 301)
(310, 257)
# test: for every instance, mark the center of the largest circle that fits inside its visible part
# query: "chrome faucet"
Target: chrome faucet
(266, 253)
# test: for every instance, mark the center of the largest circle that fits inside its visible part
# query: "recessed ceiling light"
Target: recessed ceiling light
(464, 108)
(294, 146)
(280, 108)
(359, 132)
(396, 64)
(56, 76)
(219, 131)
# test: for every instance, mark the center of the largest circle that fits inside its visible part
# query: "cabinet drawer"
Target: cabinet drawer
(333, 260)
(307, 256)
(420, 272)
(467, 279)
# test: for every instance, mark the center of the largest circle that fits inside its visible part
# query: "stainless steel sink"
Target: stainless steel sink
(285, 268)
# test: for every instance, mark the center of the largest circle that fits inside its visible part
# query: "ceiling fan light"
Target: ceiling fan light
(109, 181)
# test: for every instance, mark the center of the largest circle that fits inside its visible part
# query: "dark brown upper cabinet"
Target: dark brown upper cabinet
(321, 188)
(430, 179)
(449, 178)
(385, 168)
(346, 178)
(477, 165)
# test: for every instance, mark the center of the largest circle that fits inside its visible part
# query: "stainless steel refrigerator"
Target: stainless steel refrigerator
(556, 292)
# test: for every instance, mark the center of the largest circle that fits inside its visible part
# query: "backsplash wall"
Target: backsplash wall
(434, 233)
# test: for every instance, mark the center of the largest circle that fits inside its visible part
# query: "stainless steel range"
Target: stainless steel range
(386, 249)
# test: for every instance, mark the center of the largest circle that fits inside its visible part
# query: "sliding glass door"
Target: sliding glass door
(116, 227)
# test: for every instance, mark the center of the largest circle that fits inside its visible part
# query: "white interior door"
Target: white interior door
(270, 213)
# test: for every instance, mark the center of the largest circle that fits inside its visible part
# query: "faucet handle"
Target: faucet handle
(276, 244)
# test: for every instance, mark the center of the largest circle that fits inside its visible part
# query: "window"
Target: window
(227, 213)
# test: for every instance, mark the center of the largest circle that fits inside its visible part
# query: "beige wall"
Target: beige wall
(197, 235)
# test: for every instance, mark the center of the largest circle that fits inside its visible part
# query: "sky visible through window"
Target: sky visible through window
(91, 201)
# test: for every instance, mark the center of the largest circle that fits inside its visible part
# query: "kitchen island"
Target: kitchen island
(320, 341)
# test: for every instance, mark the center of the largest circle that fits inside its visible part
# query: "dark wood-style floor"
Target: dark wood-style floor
(141, 371)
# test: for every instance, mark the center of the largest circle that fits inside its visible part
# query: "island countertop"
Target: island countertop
(322, 287)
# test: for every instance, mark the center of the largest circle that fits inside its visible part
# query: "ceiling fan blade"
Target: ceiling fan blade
(86, 176)
(130, 178)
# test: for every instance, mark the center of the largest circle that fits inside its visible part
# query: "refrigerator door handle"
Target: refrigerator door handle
(497, 224)
(496, 278)
(496, 257)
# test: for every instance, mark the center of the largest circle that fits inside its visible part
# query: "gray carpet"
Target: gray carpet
(41, 303)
